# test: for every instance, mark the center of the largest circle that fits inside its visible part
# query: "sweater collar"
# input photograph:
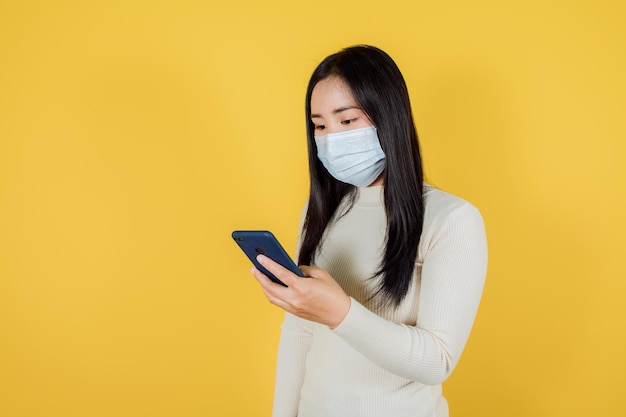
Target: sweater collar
(370, 196)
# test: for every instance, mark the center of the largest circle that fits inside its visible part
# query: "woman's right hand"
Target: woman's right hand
(318, 297)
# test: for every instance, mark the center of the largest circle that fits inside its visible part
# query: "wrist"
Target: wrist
(342, 311)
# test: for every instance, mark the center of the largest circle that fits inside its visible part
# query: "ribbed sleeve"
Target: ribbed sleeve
(295, 340)
(386, 361)
(452, 279)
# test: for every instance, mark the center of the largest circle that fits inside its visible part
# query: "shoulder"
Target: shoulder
(440, 205)
(449, 219)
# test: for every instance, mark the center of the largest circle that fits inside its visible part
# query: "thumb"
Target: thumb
(311, 271)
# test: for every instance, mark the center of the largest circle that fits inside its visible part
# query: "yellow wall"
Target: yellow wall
(134, 136)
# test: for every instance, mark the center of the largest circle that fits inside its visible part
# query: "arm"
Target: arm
(452, 280)
(295, 340)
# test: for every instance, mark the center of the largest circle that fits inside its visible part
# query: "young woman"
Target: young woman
(397, 267)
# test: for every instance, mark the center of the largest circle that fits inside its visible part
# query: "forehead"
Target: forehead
(330, 94)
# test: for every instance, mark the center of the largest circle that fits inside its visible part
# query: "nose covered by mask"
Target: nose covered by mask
(354, 156)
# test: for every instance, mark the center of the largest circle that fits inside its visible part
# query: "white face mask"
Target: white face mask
(354, 156)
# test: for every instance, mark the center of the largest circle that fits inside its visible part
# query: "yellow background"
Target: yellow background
(135, 136)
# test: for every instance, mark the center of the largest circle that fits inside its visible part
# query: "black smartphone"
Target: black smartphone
(263, 242)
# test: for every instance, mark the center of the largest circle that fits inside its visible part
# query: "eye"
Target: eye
(320, 127)
(349, 121)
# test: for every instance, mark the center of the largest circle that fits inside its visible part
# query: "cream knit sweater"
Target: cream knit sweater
(386, 362)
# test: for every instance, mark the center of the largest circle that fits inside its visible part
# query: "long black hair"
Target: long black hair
(379, 89)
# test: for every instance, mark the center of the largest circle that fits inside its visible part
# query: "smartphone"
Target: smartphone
(262, 242)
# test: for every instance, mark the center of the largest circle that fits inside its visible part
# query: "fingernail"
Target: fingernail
(260, 258)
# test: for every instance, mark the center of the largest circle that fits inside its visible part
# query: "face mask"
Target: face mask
(354, 156)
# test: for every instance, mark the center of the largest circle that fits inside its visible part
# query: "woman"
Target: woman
(397, 267)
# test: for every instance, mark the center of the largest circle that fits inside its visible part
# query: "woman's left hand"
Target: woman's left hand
(317, 297)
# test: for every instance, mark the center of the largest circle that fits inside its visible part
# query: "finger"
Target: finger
(311, 272)
(260, 276)
(271, 289)
(266, 282)
(279, 271)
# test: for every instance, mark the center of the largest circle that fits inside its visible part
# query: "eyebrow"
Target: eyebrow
(337, 111)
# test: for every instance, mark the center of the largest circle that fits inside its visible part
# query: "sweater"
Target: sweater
(386, 361)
